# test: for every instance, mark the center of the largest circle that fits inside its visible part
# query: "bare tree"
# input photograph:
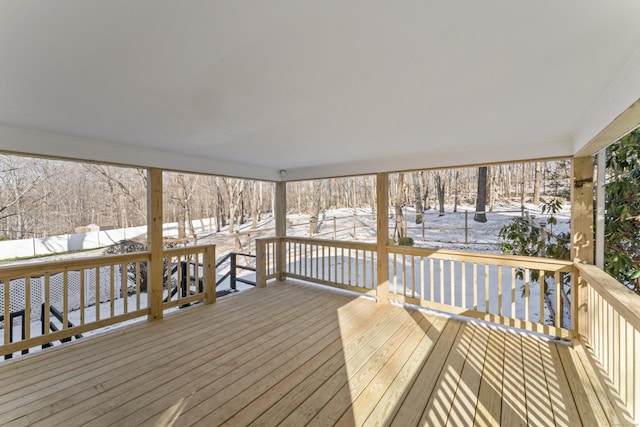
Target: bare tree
(537, 183)
(316, 197)
(439, 182)
(401, 225)
(417, 191)
(232, 191)
(481, 198)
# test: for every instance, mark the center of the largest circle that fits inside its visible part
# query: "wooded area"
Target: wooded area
(41, 197)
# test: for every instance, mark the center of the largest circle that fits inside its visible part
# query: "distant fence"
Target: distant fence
(82, 241)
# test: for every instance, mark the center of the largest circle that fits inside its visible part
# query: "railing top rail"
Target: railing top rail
(189, 250)
(621, 298)
(333, 243)
(506, 260)
(40, 268)
(268, 239)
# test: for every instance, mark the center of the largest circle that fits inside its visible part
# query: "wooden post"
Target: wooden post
(382, 235)
(261, 264)
(581, 237)
(281, 226)
(210, 273)
(232, 270)
(154, 237)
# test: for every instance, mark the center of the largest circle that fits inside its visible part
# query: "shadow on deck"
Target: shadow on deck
(297, 355)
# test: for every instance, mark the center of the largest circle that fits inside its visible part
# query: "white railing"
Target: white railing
(104, 290)
(45, 302)
(610, 326)
(185, 275)
(501, 289)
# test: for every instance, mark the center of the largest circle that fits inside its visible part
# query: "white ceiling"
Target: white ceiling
(317, 88)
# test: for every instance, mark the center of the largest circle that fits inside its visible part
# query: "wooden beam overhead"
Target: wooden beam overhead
(622, 125)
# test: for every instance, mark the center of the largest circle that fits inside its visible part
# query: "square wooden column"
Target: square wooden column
(582, 246)
(281, 225)
(154, 238)
(382, 236)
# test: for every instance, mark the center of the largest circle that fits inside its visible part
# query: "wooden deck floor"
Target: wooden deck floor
(294, 355)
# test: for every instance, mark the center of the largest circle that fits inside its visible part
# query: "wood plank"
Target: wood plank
(564, 407)
(514, 409)
(463, 406)
(134, 340)
(609, 400)
(320, 361)
(387, 406)
(308, 352)
(308, 409)
(539, 410)
(254, 387)
(107, 379)
(411, 408)
(370, 383)
(441, 399)
(591, 413)
(488, 409)
(43, 365)
(295, 397)
(218, 400)
(216, 362)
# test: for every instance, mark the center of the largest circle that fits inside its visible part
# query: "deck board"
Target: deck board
(294, 354)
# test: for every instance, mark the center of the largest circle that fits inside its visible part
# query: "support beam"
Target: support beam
(600, 200)
(582, 248)
(382, 235)
(619, 127)
(210, 273)
(154, 237)
(281, 225)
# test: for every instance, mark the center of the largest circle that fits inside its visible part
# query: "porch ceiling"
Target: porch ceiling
(317, 88)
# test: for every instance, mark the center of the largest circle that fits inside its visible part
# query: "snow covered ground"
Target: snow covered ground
(440, 232)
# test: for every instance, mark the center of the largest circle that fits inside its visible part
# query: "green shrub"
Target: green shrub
(405, 241)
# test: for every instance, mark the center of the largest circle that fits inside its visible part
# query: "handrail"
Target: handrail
(498, 285)
(622, 299)
(42, 268)
(95, 291)
(333, 243)
(610, 327)
(486, 286)
(506, 260)
(232, 267)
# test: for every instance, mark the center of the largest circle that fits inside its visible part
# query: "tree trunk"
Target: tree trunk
(181, 220)
(537, 183)
(425, 186)
(372, 199)
(417, 191)
(440, 189)
(401, 225)
(491, 178)
(455, 192)
(255, 203)
(481, 198)
(316, 198)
